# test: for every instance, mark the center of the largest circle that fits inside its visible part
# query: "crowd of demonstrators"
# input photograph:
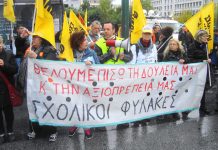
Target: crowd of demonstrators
(8, 68)
(94, 33)
(41, 49)
(185, 37)
(111, 55)
(82, 53)
(155, 45)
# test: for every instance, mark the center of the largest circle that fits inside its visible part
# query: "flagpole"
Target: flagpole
(12, 40)
(34, 17)
(208, 65)
(33, 23)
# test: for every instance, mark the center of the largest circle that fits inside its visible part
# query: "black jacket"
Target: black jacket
(186, 38)
(47, 52)
(197, 52)
(21, 45)
(175, 56)
(9, 69)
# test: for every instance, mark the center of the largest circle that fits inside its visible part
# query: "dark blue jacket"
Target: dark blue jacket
(87, 55)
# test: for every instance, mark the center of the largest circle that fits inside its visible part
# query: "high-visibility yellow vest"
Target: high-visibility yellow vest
(102, 44)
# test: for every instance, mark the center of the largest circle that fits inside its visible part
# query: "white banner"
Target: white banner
(66, 94)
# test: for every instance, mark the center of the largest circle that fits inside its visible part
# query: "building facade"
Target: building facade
(76, 3)
(167, 8)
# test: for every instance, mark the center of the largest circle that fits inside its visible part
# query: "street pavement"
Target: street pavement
(196, 133)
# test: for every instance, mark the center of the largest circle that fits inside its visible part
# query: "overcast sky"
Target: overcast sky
(118, 1)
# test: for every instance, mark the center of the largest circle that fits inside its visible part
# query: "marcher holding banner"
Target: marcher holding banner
(42, 49)
(82, 53)
(144, 52)
(8, 68)
(175, 52)
(197, 52)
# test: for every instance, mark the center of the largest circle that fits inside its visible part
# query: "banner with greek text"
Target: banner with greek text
(74, 94)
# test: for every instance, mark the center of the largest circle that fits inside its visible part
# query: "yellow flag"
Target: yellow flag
(66, 51)
(193, 24)
(8, 11)
(207, 18)
(86, 18)
(44, 23)
(40, 7)
(138, 21)
(75, 24)
(204, 19)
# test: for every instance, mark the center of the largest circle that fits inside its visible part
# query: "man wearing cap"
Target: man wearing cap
(144, 51)
(107, 54)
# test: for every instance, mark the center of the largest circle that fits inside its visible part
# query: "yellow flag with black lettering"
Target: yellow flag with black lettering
(204, 20)
(65, 49)
(75, 24)
(138, 21)
(8, 10)
(44, 23)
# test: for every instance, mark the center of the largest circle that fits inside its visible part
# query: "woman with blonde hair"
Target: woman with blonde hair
(175, 52)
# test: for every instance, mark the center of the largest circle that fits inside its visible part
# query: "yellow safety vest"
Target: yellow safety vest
(102, 44)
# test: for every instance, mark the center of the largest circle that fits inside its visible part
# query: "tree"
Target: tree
(146, 4)
(184, 16)
(93, 14)
(105, 10)
(108, 13)
(85, 5)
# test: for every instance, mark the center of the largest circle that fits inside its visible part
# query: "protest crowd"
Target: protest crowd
(96, 46)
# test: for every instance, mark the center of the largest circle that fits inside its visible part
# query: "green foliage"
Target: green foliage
(146, 4)
(67, 9)
(104, 12)
(93, 14)
(184, 16)
(84, 6)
